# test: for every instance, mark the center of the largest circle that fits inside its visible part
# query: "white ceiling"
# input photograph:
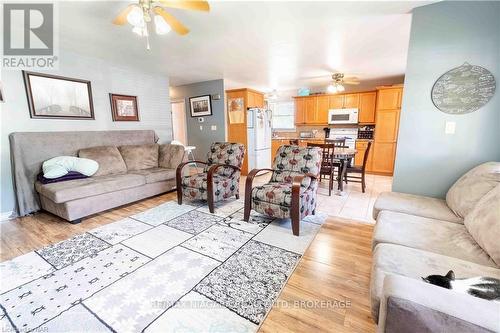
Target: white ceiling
(263, 45)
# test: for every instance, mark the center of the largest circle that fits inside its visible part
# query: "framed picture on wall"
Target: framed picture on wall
(124, 107)
(58, 97)
(200, 106)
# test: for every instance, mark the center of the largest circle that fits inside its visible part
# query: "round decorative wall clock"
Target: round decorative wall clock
(463, 89)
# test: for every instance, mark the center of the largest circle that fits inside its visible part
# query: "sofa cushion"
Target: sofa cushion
(108, 157)
(414, 263)
(170, 156)
(468, 189)
(483, 223)
(450, 239)
(82, 188)
(140, 157)
(415, 205)
(154, 175)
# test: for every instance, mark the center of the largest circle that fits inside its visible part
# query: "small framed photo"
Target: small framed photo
(200, 106)
(124, 107)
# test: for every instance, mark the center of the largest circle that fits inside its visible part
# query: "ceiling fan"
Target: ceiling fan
(339, 80)
(148, 12)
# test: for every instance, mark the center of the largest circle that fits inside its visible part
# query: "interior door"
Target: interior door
(179, 122)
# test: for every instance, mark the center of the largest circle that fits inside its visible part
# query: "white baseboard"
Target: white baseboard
(5, 216)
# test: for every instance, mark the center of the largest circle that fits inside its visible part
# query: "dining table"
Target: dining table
(343, 155)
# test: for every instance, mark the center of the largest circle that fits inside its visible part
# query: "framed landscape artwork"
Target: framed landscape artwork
(58, 97)
(124, 107)
(200, 106)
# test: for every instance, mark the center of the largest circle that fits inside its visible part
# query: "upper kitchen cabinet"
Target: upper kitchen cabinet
(367, 107)
(311, 105)
(389, 98)
(255, 99)
(300, 110)
(323, 105)
(336, 101)
(351, 101)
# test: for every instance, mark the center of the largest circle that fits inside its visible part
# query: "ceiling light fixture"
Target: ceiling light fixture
(150, 15)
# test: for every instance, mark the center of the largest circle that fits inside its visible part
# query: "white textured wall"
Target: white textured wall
(151, 90)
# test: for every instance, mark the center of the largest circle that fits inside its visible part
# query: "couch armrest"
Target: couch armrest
(415, 306)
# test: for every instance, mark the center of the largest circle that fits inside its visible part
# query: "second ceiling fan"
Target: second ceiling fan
(142, 14)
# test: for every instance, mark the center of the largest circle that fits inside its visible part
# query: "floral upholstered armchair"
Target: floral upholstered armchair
(291, 192)
(220, 178)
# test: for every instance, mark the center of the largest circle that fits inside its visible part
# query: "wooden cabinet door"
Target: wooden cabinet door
(361, 147)
(336, 101)
(367, 107)
(351, 101)
(322, 105)
(389, 99)
(387, 125)
(311, 110)
(259, 100)
(300, 110)
(250, 100)
(275, 144)
(383, 157)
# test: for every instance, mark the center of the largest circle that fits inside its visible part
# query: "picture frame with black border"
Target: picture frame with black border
(200, 106)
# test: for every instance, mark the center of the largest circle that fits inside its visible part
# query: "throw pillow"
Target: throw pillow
(140, 157)
(170, 156)
(483, 223)
(466, 192)
(59, 166)
(109, 158)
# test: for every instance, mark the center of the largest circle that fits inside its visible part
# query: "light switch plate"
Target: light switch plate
(449, 127)
(213, 127)
(201, 127)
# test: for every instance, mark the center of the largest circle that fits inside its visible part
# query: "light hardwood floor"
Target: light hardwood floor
(335, 270)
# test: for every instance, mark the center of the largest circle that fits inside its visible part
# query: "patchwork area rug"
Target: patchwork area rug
(169, 269)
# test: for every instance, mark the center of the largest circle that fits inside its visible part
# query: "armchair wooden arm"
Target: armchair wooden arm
(178, 178)
(210, 182)
(248, 191)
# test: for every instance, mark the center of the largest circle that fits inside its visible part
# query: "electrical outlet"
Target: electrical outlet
(449, 127)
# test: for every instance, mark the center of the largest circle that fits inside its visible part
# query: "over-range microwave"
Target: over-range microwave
(343, 116)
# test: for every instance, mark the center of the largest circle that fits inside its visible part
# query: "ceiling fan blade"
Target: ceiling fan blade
(121, 19)
(171, 21)
(186, 4)
(351, 82)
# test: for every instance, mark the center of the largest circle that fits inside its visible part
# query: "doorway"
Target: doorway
(179, 121)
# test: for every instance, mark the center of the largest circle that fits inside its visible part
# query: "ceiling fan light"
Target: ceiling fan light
(332, 89)
(161, 26)
(340, 88)
(141, 31)
(136, 17)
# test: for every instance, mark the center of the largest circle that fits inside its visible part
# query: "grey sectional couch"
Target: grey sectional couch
(417, 236)
(135, 178)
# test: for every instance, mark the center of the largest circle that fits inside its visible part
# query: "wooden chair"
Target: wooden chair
(294, 142)
(220, 178)
(360, 170)
(327, 163)
(291, 192)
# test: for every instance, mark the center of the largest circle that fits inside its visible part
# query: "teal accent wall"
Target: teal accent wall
(443, 36)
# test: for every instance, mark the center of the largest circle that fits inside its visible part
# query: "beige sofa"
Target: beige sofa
(131, 167)
(417, 236)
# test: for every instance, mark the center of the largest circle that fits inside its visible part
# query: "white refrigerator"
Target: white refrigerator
(259, 138)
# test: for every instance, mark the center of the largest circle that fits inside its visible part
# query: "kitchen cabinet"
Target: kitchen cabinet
(311, 110)
(386, 129)
(336, 101)
(351, 101)
(300, 110)
(323, 105)
(361, 146)
(367, 107)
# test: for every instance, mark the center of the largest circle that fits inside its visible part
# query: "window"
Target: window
(283, 115)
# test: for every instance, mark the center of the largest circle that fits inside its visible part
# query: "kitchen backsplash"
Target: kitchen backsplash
(320, 134)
